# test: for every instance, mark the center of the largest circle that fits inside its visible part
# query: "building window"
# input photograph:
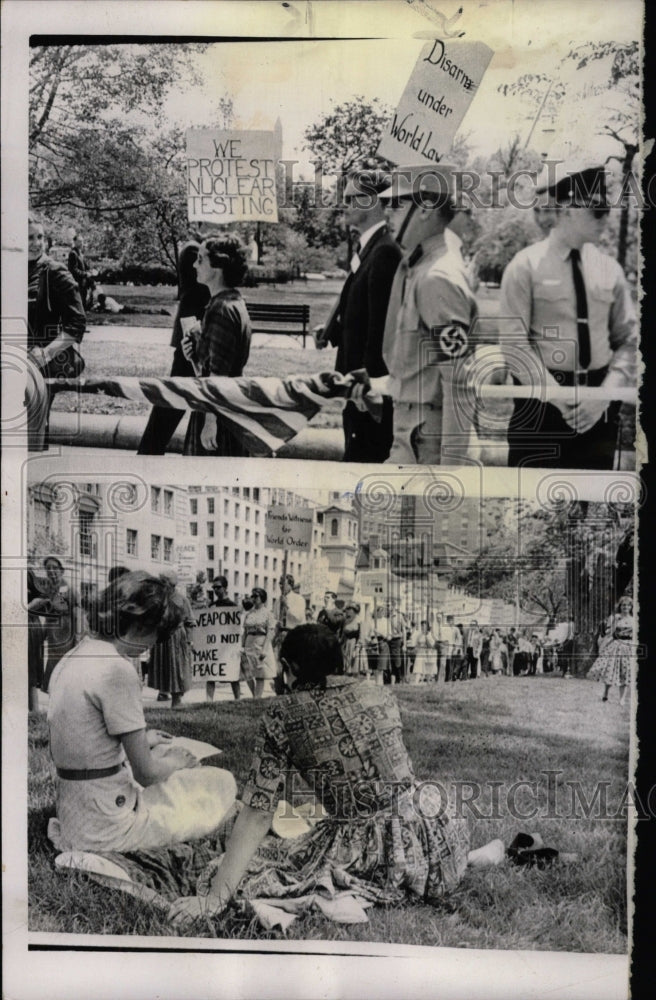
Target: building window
(236, 510)
(131, 539)
(155, 499)
(210, 573)
(87, 546)
(334, 528)
(236, 532)
(247, 579)
(319, 518)
(235, 491)
(210, 505)
(275, 564)
(155, 547)
(226, 508)
(256, 560)
(257, 538)
(246, 555)
(210, 553)
(236, 579)
(256, 494)
(247, 513)
(193, 528)
(168, 503)
(247, 536)
(266, 562)
(256, 580)
(193, 507)
(236, 555)
(226, 553)
(210, 529)
(257, 517)
(247, 493)
(168, 550)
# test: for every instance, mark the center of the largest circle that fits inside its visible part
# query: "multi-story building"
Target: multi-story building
(98, 525)
(94, 526)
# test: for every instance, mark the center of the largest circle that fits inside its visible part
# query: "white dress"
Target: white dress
(95, 696)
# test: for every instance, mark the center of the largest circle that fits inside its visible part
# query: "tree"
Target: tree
(93, 161)
(347, 136)
(558, 563)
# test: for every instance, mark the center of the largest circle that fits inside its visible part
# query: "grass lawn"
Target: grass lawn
(505, 730)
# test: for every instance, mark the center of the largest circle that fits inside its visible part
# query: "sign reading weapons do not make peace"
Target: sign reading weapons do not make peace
(216, 644)
(231, 176)
(437, 95)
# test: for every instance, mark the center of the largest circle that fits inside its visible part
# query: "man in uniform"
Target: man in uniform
(427, 330)
(568, 319)
(356, 325)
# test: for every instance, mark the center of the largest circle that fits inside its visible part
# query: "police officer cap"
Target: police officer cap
(429, 186)
(567, 185)
(366, 182)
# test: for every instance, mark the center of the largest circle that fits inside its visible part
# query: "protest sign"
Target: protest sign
(231, 176)
(373, 584)
(216, 644)
(289, 528)
(186, 561)
(437, 95)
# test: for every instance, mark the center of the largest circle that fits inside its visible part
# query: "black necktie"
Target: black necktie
(582, 326)
(416, 255)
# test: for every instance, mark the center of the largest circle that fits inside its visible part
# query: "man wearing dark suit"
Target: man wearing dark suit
(357, 324)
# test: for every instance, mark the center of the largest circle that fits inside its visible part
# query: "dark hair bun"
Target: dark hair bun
(230, 255)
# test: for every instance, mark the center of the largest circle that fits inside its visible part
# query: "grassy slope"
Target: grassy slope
(504, 730)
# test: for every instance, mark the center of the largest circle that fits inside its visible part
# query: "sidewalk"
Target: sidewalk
(161, 336)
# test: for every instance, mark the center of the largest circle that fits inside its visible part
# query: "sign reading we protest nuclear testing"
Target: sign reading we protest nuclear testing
(231, 176)
(437, 95)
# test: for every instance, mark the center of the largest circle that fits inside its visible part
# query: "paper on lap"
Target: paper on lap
(198, 748)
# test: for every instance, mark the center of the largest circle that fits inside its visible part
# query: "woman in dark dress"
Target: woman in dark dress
(192, 300)
(381, 841)
(222, 343)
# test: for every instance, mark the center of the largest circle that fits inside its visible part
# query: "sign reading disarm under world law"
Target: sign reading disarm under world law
(216, 644)
(231, 176)
(437, 95)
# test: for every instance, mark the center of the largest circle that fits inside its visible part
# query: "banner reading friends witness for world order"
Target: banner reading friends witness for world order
(437, 95)
(231, 176)
(216, 644)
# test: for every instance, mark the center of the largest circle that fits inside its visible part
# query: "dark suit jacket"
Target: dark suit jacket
(358, 325)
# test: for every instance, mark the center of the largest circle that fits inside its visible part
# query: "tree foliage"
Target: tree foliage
(558, 563)
(348, 135)
(98, 154)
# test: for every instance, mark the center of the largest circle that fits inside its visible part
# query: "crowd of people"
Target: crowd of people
(406, 315)
(390, 647)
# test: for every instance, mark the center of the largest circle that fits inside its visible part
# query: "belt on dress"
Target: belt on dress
(89, 775)
(594, 377)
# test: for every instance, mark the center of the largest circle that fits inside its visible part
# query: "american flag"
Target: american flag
(264, 412)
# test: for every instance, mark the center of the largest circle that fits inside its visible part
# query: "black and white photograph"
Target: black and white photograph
(417, 707)
(323, 481)
(415, 250)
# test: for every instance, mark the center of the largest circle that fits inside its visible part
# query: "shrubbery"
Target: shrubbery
(138, 274)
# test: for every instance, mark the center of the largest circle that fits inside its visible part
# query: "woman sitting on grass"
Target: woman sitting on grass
(113, 792)
(343, 735)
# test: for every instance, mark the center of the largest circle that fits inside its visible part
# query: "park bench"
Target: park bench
(286, 320)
